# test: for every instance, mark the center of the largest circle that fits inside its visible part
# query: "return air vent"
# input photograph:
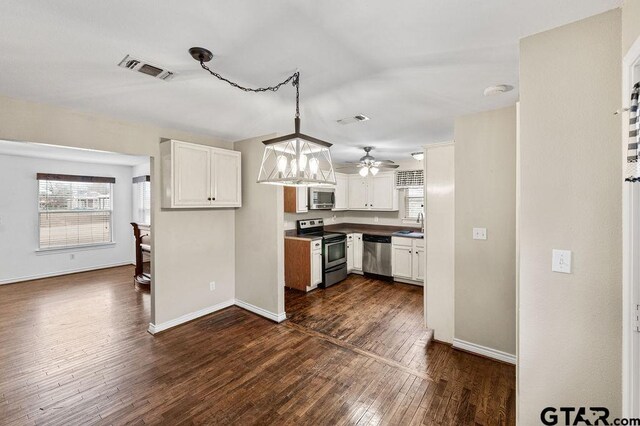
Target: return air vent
(354, 119)
(137, 65)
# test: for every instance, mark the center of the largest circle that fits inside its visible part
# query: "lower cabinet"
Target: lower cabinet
(316, 264)
(302, 263)
(357, 253)
(349, 252)
(407, 259)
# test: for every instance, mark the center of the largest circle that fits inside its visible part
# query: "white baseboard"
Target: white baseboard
(484, 351)
(405, 281)
(59, 273)
(262, 312)
(156, 328)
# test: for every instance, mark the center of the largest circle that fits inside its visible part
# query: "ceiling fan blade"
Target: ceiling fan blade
(385, 161)
(387, 166)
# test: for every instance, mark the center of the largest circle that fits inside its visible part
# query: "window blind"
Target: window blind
(142, 201)
(413, 202)
(74, 212)
(409, 178)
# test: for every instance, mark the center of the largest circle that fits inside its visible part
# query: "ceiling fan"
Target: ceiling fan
(368, 163)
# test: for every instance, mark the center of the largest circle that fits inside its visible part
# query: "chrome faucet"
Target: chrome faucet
(421, 221)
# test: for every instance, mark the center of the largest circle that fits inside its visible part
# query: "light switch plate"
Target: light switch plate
(561, 261)
(479, 233)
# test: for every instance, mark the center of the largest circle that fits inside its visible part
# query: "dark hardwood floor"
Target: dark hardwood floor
(385, 319)
(74, 350)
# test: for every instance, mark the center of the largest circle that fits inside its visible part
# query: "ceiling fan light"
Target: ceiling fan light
(374, 170)
(364, 171)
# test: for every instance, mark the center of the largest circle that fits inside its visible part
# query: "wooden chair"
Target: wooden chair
(142, 234)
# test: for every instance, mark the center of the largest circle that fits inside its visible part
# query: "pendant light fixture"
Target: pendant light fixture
(295, 159)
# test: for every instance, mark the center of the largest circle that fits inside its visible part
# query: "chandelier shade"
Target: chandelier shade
(297, 160)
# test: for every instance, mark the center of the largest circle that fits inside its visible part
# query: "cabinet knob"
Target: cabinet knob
(209, 198)
(213, 198)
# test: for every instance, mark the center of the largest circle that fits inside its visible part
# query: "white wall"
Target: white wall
(259, 235)
(485, 270)
(570, 198)
(440, 236)
(19, 259)
(190, 247)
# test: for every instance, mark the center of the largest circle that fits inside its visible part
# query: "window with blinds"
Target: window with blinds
(412, 181)
(413, 202)
(142, 199)
(74, 210)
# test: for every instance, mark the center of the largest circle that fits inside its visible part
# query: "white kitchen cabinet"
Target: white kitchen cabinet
(418, 263)
(199, 176)
(350, 252)
(401, 262)
(381, 191)
(358, 193)
(341, 192)
(357, 252)
(225, 178)
(407, 259)
(316, 263)
(373, 192)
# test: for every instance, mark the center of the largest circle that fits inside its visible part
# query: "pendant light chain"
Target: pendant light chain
(294, 79)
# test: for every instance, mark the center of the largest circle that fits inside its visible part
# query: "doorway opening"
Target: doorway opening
(66, 217)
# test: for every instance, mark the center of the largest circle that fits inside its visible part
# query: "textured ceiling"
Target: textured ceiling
(412, 66)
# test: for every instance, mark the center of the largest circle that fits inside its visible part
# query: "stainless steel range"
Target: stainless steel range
(334, 250)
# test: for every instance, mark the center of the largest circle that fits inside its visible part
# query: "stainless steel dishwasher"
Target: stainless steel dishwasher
(376, 256)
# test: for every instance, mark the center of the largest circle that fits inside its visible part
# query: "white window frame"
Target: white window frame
(103, 244)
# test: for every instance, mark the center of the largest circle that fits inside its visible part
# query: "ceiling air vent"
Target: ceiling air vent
(354, 119)
(137, 65)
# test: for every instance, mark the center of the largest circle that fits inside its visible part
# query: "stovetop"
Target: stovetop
(315, 228)
(324, 234)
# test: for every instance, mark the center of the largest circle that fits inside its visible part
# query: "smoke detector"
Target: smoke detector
(354, 119)
(143, 67)
(498, 89)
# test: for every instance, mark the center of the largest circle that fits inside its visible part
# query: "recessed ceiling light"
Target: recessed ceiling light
(354, 119)
(498, 89)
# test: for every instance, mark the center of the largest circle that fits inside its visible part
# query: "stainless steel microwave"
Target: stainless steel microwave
(321, 198)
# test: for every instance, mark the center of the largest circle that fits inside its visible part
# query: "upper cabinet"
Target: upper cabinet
(199, 176)
(373, 192)
(296, 199)
(342, 192)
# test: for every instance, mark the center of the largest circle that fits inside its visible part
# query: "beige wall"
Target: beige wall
(259, 235)
(485, 290)
(570, 198)
(190, 248)
(630, 23)
(440, 235)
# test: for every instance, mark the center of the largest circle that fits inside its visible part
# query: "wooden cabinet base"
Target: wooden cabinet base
(297, 264)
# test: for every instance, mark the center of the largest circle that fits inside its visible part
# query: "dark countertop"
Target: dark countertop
(292, 233)
(381, 230)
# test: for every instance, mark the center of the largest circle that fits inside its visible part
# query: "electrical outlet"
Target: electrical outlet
(212, 285)
(375, 219)
(479, 233)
